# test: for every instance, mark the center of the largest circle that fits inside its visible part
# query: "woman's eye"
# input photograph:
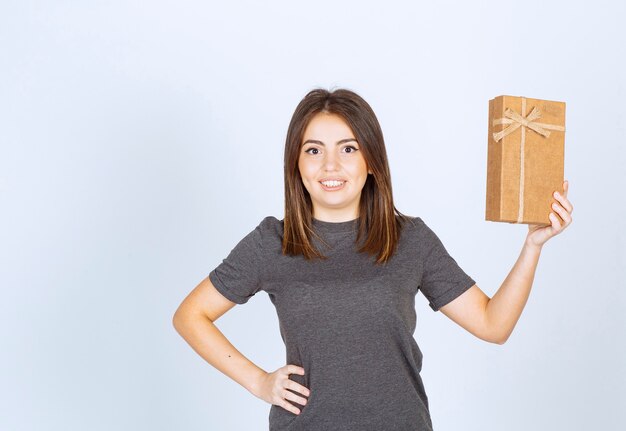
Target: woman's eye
(350, 147)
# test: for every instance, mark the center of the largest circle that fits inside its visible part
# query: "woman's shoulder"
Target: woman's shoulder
(271, 226)
(271, 221)
(413, 222)
(417, 226)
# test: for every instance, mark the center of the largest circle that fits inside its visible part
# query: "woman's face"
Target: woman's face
(330, 152)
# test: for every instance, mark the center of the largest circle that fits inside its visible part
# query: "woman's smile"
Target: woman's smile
(332, 185)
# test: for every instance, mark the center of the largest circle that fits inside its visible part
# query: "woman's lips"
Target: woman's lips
(332, 189)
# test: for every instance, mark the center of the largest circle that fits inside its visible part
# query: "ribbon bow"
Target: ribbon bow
(516, 121)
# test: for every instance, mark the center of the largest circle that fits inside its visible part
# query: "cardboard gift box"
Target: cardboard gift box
(525, 159)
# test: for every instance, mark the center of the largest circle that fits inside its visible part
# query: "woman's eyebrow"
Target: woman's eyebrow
(315, 141)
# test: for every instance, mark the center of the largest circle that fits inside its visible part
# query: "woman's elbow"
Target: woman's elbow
(499, 339)
(179, 317)
(493, 338)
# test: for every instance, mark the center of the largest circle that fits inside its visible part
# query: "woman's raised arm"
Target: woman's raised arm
(493, 319)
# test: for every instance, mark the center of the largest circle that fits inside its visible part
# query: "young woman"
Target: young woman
(342, 269)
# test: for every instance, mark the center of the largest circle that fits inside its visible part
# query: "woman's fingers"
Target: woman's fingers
(293, 397)
(294, 386)
(293, 369)
(297, 387)
(289, 407)
(291, 385)
(285, 394)
(556, 224)
(564, 202)
(565, 209)
(565, 216)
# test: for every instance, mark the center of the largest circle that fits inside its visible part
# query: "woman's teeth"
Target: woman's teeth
(332, 183)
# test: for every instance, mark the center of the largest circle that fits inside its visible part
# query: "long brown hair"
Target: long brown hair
(379, 221)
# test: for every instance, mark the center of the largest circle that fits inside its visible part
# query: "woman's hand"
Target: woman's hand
(539, 234)
(272, 387)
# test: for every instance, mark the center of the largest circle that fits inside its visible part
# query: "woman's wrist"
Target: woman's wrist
(256, 382)
(530, 245)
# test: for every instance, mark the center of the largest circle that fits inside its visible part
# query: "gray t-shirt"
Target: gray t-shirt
(347, 321)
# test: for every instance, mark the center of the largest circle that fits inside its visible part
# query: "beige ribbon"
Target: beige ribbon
(515, 121)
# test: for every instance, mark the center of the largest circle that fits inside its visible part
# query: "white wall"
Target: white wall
(140, 141)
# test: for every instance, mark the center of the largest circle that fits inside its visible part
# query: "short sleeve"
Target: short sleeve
(442, 278)
(238, 276)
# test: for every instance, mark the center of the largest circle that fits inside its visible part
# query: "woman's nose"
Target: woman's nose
(330, 161)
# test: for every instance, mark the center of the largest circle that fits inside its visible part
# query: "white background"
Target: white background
(140, 141)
